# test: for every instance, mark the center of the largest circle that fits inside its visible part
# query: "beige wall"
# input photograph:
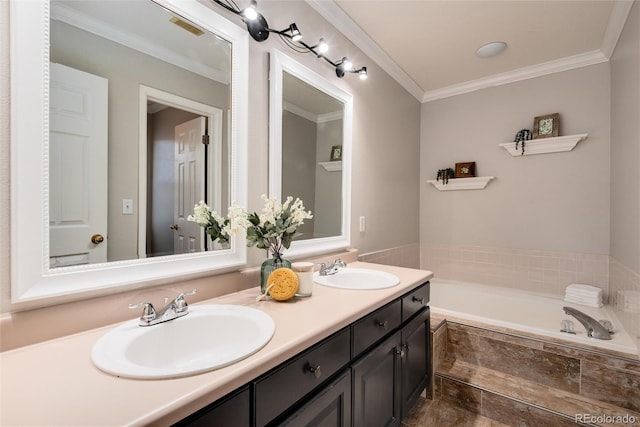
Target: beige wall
(625, 145)
(551, 202)
(385, 149)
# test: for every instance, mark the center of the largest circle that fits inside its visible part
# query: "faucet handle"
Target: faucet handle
(181, 302)
(339, 262)
(148, 311)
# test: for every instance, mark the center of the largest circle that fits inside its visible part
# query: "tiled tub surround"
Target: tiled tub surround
(402, 256)
(539, 271)
(542, 272)
(55, 383)
(524, 381)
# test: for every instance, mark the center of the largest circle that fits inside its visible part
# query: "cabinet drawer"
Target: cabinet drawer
(415, 301)
(287, 384)
(375, 326)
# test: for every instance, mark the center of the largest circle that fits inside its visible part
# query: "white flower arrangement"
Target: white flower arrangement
(274, 229)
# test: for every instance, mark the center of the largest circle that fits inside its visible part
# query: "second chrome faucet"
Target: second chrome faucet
(594, 328)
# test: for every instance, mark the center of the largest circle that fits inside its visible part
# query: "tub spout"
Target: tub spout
(593, 327)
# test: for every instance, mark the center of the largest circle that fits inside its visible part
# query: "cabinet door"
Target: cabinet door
(230, 411)
(415, 359)
(330, 408)
(376, 386)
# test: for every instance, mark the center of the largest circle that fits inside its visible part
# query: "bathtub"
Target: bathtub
(518, 310)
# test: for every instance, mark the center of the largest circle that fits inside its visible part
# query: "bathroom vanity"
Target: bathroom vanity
(371, 372)
(341, 332)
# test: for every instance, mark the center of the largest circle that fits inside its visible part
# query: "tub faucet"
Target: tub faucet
(172, 310)
(332, 269)
(593, 327)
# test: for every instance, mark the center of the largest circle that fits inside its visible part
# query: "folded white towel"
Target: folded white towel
(588, 303)
(585, 300)
(583, 289)
(583, 295)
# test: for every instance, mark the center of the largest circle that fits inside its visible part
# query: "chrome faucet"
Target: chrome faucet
(332, 269)
(594, 328)
(172, 310)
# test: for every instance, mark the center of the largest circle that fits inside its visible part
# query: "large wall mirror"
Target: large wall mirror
(310, 122)
(123, 118)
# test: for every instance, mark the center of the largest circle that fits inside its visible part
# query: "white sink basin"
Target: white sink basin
(208, 338)
(358, 278)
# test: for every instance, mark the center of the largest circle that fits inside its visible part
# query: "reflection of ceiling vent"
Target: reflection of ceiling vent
(186, 26)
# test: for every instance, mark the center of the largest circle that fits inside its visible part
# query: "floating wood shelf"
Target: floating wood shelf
(476, 183)
(545, 145)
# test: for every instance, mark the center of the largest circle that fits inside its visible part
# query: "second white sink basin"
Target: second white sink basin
(358, 278)
(209, 337)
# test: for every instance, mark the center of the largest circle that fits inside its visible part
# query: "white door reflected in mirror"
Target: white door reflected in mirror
(77, 167)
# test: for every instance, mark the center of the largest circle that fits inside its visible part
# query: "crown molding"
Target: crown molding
(330, 11)
(617, 19)
(312, 117)
(343, 23)
(538, 70)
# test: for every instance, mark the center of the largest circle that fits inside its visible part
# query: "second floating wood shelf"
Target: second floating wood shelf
(476, 183)
(545, 145)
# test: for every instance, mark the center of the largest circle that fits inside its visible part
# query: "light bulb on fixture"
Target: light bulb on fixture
(346, 64)
(323, 47)
(363, 73)
(250, 13)
(295, 33)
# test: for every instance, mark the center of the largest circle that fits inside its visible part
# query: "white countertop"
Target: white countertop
(54, 383)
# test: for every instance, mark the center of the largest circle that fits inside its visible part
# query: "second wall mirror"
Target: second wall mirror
(310, 122)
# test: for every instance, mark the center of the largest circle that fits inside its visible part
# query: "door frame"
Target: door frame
(213, 175)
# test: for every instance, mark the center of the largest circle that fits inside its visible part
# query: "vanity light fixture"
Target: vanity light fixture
(291, 36)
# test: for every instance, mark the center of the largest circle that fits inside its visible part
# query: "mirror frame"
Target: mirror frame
(33, 283)
(279, 63)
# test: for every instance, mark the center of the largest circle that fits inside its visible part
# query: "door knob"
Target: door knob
(97, 238)
(174, 226)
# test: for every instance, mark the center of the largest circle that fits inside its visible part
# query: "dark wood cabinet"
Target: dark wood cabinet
(368, 374)
(376, 385)
(282, 387)
(233, 410)
(415, 360)
(331, 407)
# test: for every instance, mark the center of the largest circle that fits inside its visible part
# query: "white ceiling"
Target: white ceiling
(429, 46)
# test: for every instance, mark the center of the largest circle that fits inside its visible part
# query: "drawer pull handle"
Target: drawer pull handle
(315, 371)
(416, 299)
(400, 350)
(383, 323)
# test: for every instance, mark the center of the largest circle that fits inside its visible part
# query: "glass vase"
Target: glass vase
(268, 266)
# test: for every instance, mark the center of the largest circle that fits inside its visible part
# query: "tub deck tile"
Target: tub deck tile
(611, 385)
(528, 392)
(546, 368)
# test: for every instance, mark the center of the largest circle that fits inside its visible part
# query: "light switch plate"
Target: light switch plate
(127, 207)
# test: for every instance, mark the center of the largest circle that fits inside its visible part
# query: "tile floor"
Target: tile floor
(439, 413)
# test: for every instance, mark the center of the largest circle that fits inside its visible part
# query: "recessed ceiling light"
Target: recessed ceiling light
(490, 49)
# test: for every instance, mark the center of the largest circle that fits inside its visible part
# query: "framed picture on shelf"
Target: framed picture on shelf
(336, 153)
(466, 170)
(546, 126)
